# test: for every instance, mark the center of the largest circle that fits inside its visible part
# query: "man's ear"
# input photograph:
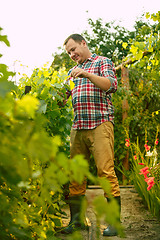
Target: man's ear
(84, 43)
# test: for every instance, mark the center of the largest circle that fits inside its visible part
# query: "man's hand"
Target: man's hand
(101, 82)
(78, 72)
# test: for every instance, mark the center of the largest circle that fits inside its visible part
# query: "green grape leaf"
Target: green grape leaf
(3, 38)
(6, 87)
(43, 107)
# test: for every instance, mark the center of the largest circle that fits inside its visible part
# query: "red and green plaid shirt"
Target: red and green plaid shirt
(92, 106)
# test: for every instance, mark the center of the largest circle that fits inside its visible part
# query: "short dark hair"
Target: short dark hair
(76, 37)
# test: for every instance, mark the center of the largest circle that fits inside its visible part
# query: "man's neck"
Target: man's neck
(88, 55)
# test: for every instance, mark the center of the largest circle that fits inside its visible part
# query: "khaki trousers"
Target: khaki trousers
(100, 143)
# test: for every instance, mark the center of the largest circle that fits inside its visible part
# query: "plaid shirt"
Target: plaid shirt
(92, 106)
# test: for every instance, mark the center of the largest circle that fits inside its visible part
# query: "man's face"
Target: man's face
(76, 50)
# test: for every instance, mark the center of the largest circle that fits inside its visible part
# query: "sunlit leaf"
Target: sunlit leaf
(147, 15)
(28, 105)
(124, 45)
(71, 84)
(134, 49)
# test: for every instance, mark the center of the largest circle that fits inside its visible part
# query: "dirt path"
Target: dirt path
(138, 223)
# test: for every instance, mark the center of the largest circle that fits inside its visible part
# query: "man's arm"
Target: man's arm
(101, 82)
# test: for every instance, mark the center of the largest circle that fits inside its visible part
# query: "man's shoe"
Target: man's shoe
(77, 221)
(72, 227)
(110, 231)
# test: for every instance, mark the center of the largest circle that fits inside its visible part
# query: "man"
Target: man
(92, 131)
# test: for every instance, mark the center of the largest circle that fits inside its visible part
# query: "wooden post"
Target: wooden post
(125, 108)
(27, 89)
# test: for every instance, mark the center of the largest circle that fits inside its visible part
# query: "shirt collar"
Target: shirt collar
(92, 57)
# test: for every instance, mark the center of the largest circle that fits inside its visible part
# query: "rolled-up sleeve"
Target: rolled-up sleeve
(107, 70)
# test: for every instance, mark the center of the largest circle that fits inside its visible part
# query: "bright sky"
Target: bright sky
(36, 28)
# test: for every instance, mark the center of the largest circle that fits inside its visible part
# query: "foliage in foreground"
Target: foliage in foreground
(33, 170)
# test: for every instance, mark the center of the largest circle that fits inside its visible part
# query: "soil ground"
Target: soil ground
(137, 221)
